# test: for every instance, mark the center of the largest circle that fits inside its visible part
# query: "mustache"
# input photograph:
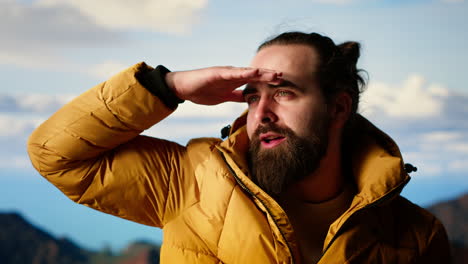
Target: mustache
(270, 127)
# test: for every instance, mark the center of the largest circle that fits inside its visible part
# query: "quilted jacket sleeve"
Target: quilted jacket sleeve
(92, 151)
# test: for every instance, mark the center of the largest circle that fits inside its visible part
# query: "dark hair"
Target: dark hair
(337, 70)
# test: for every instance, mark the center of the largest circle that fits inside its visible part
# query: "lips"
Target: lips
(270, 140)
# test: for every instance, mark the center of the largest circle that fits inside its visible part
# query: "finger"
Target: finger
(269, 77)
(263, 70)
(247, 74)
(262, 75)
(268, 74)
(243, 73)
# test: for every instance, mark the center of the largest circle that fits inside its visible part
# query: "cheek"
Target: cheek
(294, 117)
(302, 119)
(250, 125)
(297, 124)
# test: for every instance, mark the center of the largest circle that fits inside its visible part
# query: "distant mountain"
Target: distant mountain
(454, 215)
(21, 242)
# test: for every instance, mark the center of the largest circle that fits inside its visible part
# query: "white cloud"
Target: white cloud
(15, 126)
(438, 151)
(35, 36)
(441, 136)
(226, 110)
(425, 162)
(45, 103)
(14, 162)
(459, 165)
(411, 99)
(191, 120)
(184, 131)
(175, 16)
(31, 60)
(29, 25)
(42, 33)
(459, 147)
(32, 103)
(106, 69)
(453, 1)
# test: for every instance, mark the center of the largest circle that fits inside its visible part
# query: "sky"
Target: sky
(414, 53)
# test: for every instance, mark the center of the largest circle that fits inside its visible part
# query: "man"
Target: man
(301, 178)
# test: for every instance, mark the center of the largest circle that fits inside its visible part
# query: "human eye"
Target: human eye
(284, 93)
(250, 99)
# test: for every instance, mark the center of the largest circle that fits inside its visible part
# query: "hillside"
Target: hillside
(454, 216)
(21, 242)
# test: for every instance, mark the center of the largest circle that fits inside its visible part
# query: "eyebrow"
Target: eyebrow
(284, 83)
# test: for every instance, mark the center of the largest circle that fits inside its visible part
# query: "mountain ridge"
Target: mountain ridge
(23, 242)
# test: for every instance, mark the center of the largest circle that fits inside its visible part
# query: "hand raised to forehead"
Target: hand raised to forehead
(215, 85)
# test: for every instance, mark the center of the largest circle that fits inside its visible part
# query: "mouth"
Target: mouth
(270, 140)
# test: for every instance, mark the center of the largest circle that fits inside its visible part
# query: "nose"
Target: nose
(264, 112)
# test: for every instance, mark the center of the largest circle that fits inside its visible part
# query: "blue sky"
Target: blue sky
(52, 50)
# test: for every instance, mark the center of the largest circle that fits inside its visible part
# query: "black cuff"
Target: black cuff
(154, 82)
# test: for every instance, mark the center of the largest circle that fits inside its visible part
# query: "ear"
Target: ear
(341, 109)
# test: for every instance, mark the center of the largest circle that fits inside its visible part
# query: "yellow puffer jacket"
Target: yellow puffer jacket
(201, 195)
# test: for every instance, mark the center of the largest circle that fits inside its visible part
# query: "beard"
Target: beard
(291, 161)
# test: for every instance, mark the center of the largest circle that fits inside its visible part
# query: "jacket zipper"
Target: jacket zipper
(379, 201)
(255, 197)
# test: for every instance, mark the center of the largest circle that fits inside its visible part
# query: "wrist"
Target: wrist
(155, 82)
(170, 79)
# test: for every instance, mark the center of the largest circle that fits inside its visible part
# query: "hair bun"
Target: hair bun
(351, 51)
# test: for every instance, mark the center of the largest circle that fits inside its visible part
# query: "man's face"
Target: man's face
(287, 123)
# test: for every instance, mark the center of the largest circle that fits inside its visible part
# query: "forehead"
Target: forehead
(293, 60)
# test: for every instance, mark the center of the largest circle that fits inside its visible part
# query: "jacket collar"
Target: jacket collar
(376, 162)
(375, 159)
